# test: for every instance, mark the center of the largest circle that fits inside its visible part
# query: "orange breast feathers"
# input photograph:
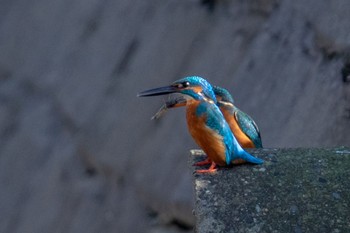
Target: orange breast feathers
(241, 137)
(209, 140)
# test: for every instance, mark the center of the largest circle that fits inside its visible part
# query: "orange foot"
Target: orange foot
(202, 163)
(211, 169)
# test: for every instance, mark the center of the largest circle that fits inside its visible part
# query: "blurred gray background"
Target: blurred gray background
(78, 151)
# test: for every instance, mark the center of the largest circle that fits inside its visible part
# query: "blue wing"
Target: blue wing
(249, 127)
(216, 121)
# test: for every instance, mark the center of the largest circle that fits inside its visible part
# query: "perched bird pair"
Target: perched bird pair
(241, 124)
(207, 124)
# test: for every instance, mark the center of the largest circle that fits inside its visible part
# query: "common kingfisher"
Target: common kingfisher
(206, 123)
(241, 124)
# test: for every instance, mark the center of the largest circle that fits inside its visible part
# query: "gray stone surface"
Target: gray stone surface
(78, 152)
(295, 190)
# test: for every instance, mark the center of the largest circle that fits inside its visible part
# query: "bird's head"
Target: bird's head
(222, 95)
(196, 87)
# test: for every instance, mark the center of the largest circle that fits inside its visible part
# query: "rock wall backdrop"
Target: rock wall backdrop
(78, 151)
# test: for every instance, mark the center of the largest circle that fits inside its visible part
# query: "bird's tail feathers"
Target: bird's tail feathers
(250, 158)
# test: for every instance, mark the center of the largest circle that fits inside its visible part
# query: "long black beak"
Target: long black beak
(158, 91)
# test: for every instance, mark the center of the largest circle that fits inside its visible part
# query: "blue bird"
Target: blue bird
(241, 124)
(206, 123)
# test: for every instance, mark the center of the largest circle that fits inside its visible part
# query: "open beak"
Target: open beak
(158, 91)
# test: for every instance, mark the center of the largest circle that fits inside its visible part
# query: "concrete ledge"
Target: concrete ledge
(295, 190)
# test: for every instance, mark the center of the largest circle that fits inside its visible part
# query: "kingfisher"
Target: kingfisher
(206, 123)
(241, 124)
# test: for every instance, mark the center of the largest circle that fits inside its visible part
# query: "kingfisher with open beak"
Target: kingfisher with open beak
(206, 123)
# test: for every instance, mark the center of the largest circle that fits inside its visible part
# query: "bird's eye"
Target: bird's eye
(185, 84)
(182, 85)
